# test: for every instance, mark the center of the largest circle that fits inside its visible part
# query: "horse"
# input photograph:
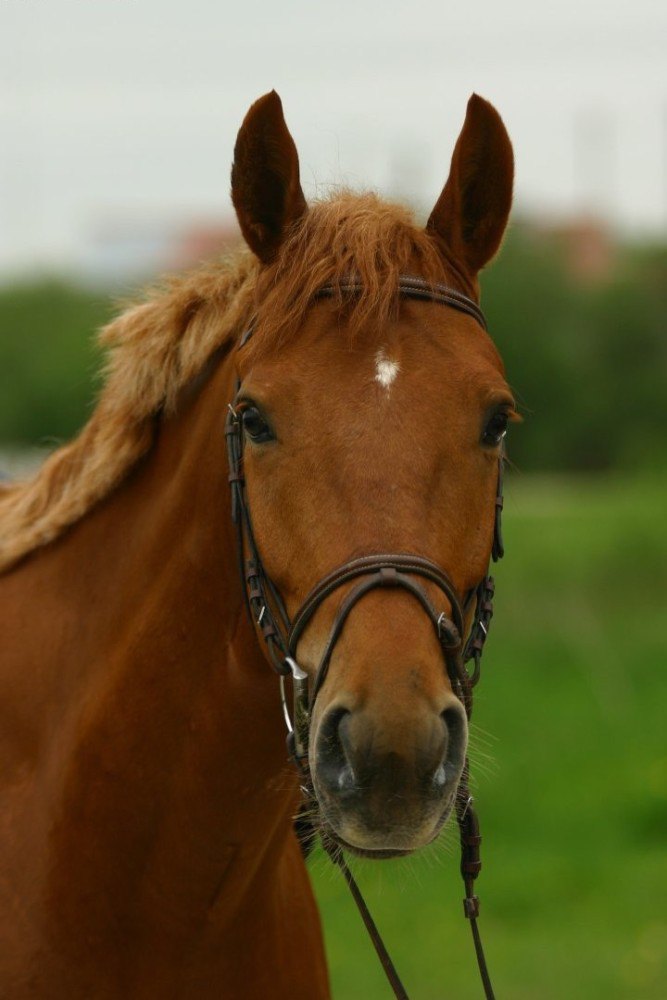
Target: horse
(146, 831)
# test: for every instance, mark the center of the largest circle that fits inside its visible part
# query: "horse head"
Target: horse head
(372, 423)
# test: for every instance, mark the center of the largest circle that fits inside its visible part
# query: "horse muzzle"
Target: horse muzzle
(387, 789)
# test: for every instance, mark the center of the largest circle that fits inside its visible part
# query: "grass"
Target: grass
(569, 752)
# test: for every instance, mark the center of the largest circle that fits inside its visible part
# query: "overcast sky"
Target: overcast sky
(128, 109)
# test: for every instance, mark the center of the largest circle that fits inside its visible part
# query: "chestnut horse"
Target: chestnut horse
(146, 839)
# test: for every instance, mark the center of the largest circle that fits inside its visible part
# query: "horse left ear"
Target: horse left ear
(471, 213)
(266, 190)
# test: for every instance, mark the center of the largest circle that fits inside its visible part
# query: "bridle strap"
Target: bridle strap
(471, 865)
(412, 287)
(498, 549)
(402, 562)
(386, 573)
(388, 966)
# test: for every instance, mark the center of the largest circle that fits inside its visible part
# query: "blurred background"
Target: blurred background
(118, 120)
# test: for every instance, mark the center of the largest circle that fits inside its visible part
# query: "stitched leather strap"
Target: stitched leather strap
(388, 966)
(405, 562)
(388, 571)
(412, 287)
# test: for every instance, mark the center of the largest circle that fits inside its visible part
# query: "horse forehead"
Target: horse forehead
(330, 364)
(428, 352)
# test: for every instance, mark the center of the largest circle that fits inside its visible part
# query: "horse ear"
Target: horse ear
(266, 191)
(471, 213)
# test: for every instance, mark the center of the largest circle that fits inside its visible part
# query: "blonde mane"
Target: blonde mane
(156, 347)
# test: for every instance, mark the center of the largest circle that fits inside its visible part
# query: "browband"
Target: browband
(409, 287)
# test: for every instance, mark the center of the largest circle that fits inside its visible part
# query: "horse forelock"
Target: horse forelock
(351, 236)
(157, 346)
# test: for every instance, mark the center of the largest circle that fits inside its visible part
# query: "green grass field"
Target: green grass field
(569, 754)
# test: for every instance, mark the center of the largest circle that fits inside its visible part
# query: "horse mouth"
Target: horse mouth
(329, 833)
(379, 854)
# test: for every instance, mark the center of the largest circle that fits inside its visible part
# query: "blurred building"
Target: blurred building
(120, 252)
(585, 243)
(589, 249)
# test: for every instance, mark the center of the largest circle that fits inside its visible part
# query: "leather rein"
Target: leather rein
(395, 570)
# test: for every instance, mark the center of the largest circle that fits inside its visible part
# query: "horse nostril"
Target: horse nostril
(453, 720)
(453, 753)
(333, 766)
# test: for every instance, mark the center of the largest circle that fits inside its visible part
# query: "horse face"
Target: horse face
(381, 440)
(388, 446)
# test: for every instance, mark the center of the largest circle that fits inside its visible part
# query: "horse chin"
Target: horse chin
(378, 854)
(383, 847)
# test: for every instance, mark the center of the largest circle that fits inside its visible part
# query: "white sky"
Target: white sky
(129, 108)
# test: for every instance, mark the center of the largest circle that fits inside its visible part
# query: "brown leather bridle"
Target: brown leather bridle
(395, 570)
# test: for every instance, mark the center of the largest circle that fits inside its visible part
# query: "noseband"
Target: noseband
(376, 570)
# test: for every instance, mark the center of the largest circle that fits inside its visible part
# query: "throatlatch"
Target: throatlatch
(394, 570)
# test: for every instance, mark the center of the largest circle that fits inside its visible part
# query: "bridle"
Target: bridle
(369, 572)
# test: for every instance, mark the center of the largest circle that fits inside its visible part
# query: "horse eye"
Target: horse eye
(255, 425)
(496, 429)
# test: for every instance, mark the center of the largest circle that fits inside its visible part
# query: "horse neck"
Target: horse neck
(158, 713)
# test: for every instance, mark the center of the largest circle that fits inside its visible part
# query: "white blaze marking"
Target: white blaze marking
(385, 369)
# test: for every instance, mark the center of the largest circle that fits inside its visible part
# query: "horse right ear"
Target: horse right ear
(471, 213)
(266, 190)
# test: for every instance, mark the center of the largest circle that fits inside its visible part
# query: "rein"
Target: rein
(375, 570)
